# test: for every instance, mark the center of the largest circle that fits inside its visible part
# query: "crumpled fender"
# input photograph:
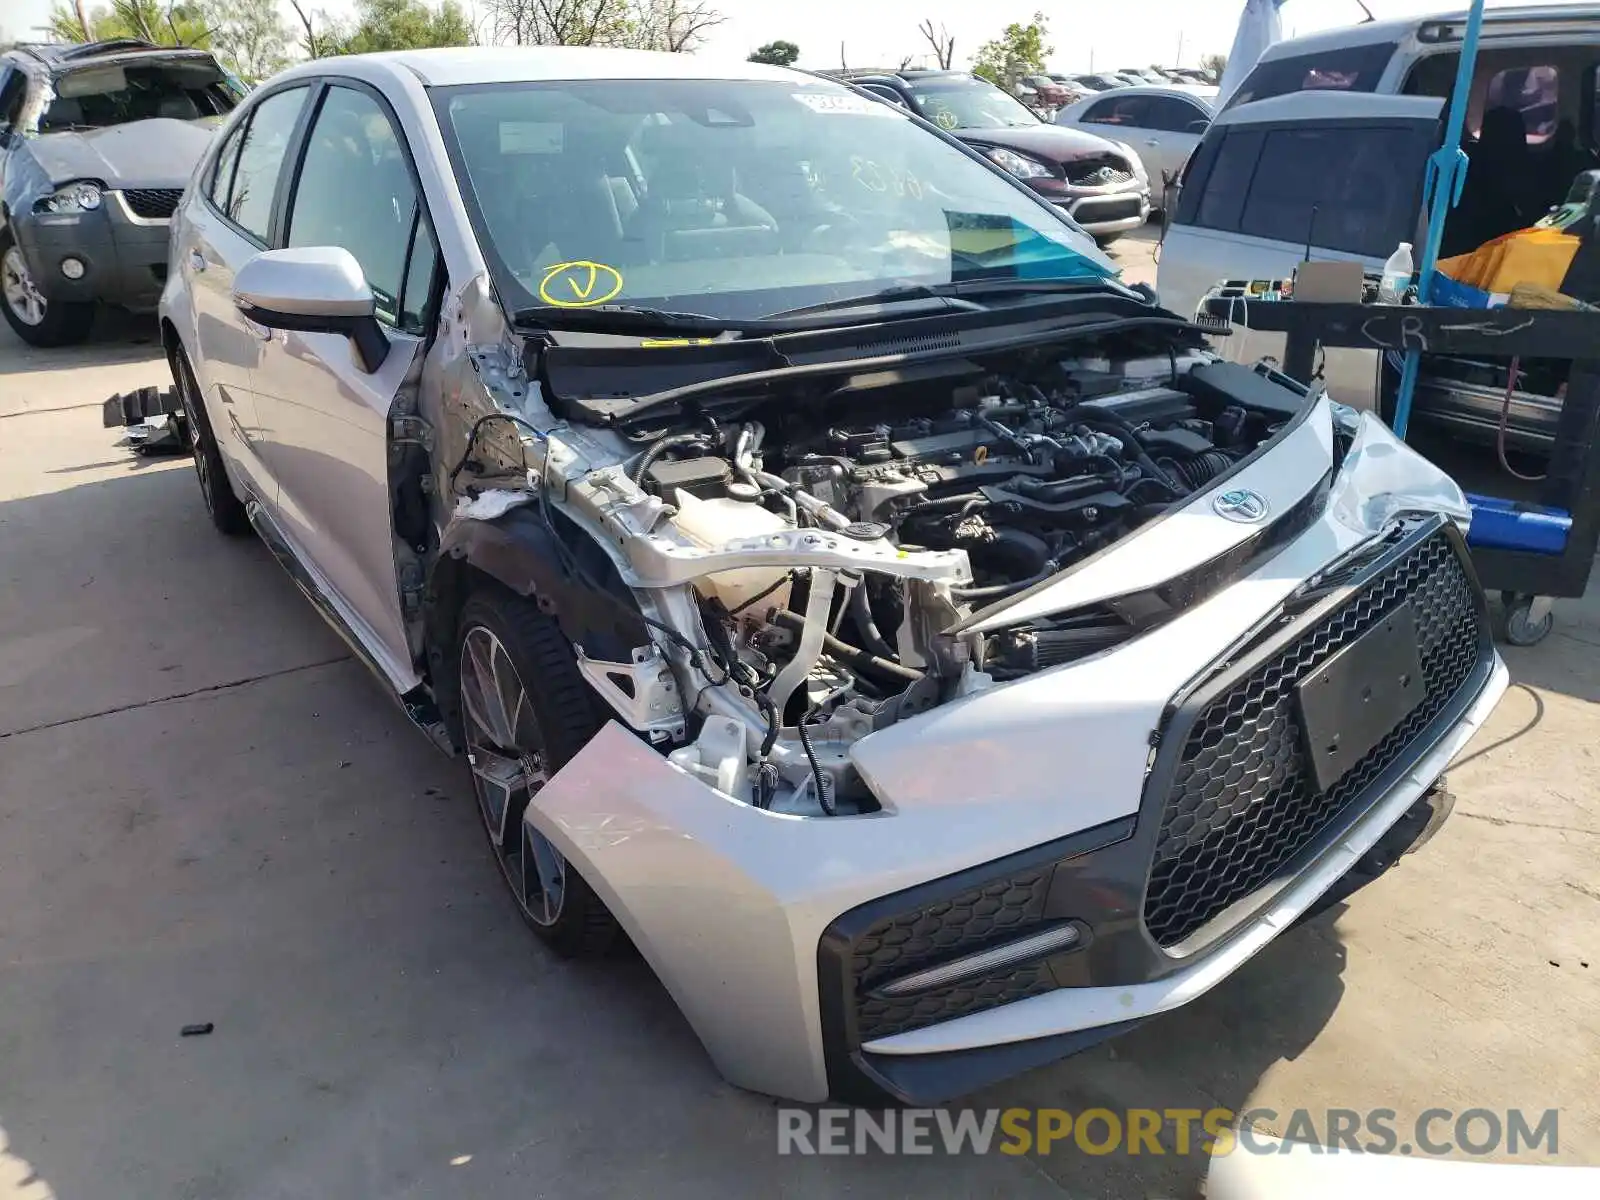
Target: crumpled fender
(518, 550)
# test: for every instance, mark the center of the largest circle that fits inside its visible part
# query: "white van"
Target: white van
(1323, 150)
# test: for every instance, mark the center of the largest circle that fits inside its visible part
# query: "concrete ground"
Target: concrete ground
(209, 813)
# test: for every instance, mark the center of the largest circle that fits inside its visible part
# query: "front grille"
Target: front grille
(1098, 172)
(153, 204)
(1119, 209)
(969, 921)
(1242, 801)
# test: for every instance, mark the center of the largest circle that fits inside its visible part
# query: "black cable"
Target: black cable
(824, 792)
(762, 594)
(1004, 589)
(660, 448)
(472, 439)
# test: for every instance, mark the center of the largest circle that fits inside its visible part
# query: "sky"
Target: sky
(1107, 34)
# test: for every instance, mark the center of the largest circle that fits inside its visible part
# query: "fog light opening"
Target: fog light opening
(73, 268)
(1050, 941)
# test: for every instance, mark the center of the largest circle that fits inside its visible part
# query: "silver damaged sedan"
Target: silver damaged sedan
(926, 652)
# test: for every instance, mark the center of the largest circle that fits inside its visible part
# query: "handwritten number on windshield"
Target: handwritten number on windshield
(880, 179)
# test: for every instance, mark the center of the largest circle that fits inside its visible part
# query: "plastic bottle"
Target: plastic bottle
(1397, 274)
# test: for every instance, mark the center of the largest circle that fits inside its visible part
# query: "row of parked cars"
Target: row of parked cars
(1049, 92)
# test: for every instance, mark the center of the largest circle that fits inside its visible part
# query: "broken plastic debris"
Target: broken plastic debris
(495, 502)
(200, 1030)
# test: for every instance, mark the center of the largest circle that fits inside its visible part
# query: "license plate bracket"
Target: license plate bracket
(1356, 698)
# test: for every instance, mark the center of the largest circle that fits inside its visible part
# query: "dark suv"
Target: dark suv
(97, 143)
(1101, 184)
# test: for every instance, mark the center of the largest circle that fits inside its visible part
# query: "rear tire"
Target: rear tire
(225, 509)
(526, 712)
(37, 321)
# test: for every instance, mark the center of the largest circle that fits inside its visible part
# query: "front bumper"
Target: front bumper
(124, 255)
(773, 932)
(1107, 214)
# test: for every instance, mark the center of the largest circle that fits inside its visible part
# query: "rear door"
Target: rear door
(1173, 128)
(215, 237)
(1336, 175)
(327, 419)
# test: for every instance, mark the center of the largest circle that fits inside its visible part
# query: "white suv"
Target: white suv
(1322, 151)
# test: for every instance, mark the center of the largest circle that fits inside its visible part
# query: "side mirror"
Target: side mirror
(313, 289)
(1199, 127)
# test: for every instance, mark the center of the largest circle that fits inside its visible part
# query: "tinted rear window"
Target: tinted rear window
(1352, 69)
(1265, 182)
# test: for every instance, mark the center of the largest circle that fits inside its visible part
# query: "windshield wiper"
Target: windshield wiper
(954, 293)
(889, 295)
(619, 318)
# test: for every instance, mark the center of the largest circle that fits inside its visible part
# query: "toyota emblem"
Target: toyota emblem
(1241, 505)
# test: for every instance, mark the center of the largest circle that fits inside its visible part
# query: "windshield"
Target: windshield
(114, 94)
(958, 103)
(736, 199)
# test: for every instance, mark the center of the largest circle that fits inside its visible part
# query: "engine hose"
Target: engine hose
(851, 656)
(861, 613)
(998, 590)
(660, 448)
(1110, 423)
(1200, 470)
(818, 779)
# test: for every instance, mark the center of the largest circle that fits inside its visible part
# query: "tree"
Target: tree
(561, 22)
(778, 54)
(399, 25)
(1019, 51)
(676, 26)
(944, 45)
(175, 24)
(1216, 64)
(249, 37)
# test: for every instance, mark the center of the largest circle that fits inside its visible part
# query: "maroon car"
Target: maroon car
(1101, 184)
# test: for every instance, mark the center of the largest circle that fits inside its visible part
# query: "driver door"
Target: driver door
(325, 418)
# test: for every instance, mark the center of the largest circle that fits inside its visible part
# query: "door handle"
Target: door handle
(197, 261)
(1153, 142)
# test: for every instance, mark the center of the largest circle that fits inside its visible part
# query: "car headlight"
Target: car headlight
(1134, 161)
(82, 196)
(1019, 165)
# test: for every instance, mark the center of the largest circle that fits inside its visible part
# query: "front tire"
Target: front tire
(37, 321)
(225, 509)
(525, 712)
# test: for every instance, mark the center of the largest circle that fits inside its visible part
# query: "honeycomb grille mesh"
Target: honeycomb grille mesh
(972, 920)
(1243, 800)
(153, 204)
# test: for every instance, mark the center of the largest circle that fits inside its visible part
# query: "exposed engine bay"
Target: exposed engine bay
(808, 568)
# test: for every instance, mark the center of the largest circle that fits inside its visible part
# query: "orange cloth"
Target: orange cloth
(1539, 256)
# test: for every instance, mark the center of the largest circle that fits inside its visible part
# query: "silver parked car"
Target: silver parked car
(927, 652)
(1164, 124)
(96, 143)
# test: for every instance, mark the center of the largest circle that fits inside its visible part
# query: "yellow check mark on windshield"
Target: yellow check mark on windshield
(579, 284)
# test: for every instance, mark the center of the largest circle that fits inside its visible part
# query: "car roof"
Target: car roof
(1175, 90)
(1397, 29)
(450, 66)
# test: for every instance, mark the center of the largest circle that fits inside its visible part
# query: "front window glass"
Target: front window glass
(734, 199)
(94, 97)
(961, 102)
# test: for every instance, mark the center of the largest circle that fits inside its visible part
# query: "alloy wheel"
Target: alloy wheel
(507, 757)
(22, 297)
